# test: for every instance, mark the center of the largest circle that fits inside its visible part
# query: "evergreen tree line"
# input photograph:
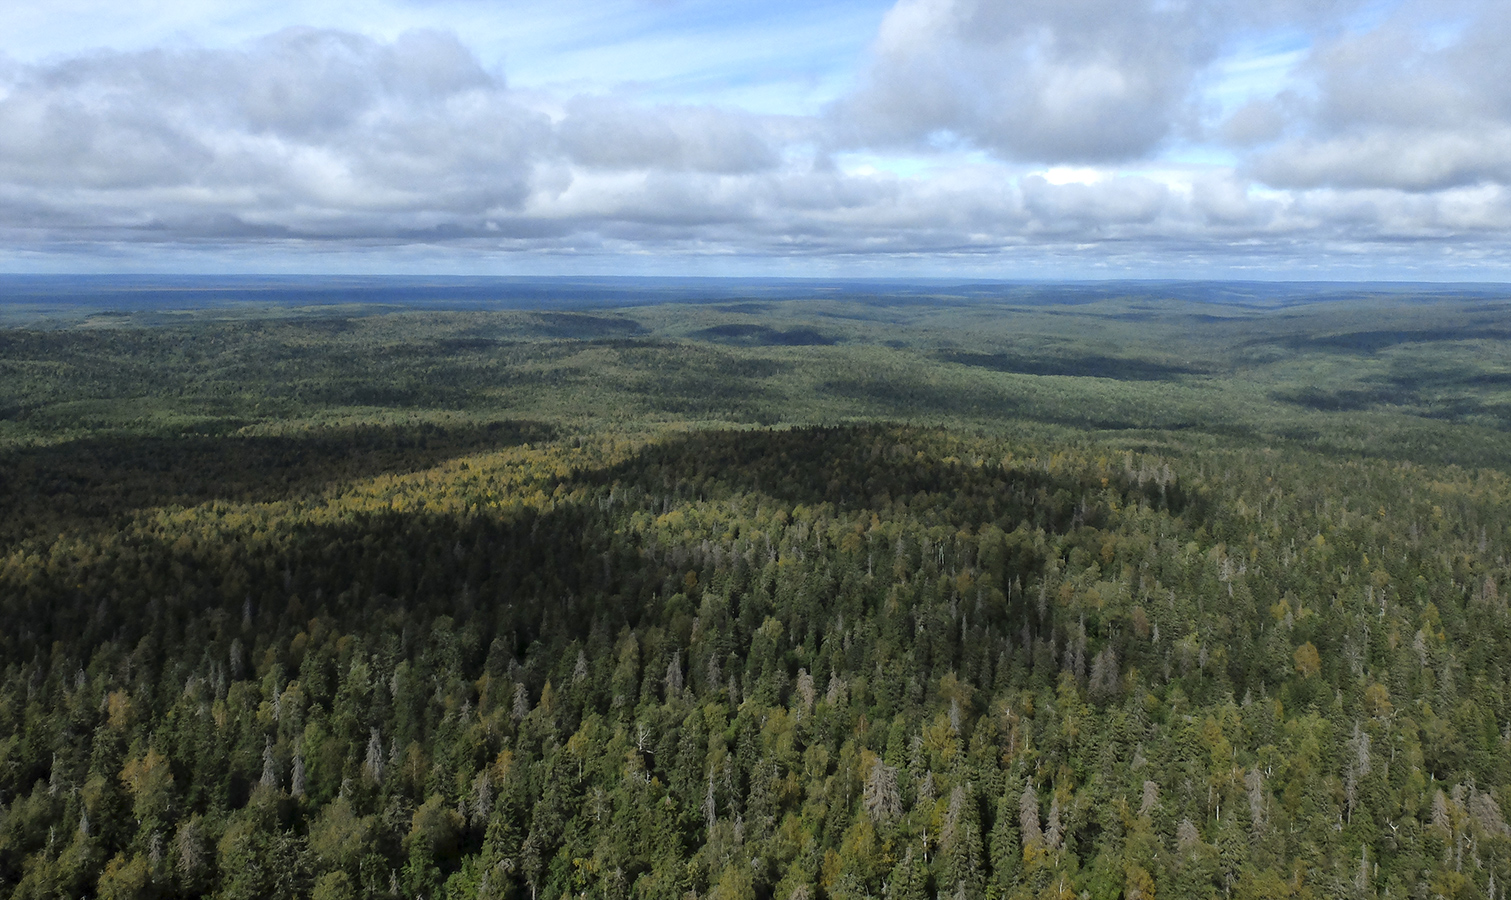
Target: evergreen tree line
(870, 661)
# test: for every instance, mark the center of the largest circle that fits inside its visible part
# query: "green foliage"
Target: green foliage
(503, 659)
(1422, 379)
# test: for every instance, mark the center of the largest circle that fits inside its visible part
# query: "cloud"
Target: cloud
(1222, 200)
(1037, 80)
(612, 134)
(1080, 207)
(1420, 103)
(977, 131)
(329, 135)
(1257, 121)
(320, 131)
(1063, 81)
(1416, 159)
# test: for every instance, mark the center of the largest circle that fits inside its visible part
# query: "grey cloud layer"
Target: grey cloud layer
(1039, 80)
(308, 131)
(1051, 81)
(1404, 106)
(1393, 140)
(603, 133)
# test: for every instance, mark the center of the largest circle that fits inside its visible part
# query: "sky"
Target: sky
(1033, 139)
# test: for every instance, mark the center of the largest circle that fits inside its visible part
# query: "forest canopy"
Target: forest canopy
(715, 619)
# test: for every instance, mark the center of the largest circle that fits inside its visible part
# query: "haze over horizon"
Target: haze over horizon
(1275, 139)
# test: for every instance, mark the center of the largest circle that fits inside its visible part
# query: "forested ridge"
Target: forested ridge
(519, 661)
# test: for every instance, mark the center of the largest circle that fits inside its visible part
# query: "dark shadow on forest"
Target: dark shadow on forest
(1417, 392)
(1373, 341)
(859, 467)
(1088, 366)
(529, 573)
(102, 477)
(764, 336)
(1344, 400)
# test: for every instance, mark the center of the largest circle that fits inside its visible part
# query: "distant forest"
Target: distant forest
(925, 595)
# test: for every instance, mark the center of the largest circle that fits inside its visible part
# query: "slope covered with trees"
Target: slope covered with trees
(815, 662)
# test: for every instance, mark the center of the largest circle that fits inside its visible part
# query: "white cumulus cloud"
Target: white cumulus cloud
(976, 133)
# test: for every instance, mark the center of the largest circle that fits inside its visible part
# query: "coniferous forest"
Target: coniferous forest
(1133, 596)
